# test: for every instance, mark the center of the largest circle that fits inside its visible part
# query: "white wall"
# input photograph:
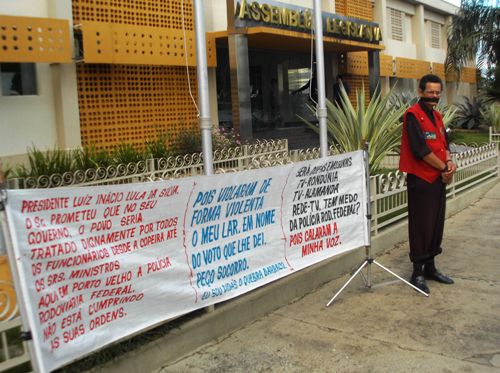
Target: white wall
(49, 118)
(24, 8)
(435, 55)
(397, 48)
(215, 15)
(29, 120)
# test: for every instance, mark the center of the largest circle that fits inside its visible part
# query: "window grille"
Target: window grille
(435, 35)
(396, 17)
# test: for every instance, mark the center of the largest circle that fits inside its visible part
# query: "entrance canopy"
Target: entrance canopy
(263, 37)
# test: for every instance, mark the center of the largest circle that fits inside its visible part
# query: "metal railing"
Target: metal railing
(13, 352)
(494, 137)
(226, 160)
(388, 196)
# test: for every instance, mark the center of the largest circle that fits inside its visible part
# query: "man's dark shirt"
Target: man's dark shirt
(416, 136)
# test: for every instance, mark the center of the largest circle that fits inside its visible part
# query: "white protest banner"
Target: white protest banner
(98, 264)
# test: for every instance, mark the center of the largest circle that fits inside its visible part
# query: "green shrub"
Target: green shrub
(469, 114)
(449, 114)
(126, 153)
(46, 163)
(190, 142)
(187, 142)
(378, 123)
(158, 148)
(402, 99)
(225, 138)
(90, 157)
(60, 161)
(491, 115)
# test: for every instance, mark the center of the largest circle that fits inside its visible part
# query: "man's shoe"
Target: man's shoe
(419, 282)
(439, 277)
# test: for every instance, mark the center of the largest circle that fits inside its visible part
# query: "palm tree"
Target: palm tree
(474, 34)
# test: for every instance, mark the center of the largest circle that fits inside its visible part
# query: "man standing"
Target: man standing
(425, 157)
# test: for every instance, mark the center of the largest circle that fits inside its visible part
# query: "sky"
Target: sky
(454, 2)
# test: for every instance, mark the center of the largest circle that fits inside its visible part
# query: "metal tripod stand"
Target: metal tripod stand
(368, 248)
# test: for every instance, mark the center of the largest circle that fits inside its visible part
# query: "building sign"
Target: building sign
(291, 17)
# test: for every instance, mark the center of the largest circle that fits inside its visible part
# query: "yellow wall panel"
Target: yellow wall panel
(439, 70)
(340, 7)
(386, 65)
(29, 39)
(127, 44)
(411, 69)
(361, 9)
(132, 103)
(357, 63)
(170, 14)
(130, 97)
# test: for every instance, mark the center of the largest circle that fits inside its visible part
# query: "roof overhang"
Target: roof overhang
(286, 40)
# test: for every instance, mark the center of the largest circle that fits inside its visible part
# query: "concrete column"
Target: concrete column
(335, 66)
(385, 85)
(212, 87)
(266, 92)
(380, 17)
(65, 87)
(374, 71)
(283, 89)
(328, 6)
(239, 67)
(329, 77)
(419, 31)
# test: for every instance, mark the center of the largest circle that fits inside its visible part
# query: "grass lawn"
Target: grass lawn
(469, 137)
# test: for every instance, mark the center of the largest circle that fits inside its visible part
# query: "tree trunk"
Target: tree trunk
(496, 82)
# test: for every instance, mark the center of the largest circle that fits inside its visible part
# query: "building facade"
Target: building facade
(100, 73)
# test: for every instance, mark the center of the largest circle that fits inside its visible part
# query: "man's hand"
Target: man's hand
(447, 176)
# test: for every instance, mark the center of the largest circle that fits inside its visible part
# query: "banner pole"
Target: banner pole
(321, 112)
(368, 236)
(203, 94)
(25, 332)
(369, 260)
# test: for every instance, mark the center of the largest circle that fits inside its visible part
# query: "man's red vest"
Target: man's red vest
(435, 139)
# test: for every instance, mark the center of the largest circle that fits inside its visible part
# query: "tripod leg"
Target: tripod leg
(347, 283)
(399, 277)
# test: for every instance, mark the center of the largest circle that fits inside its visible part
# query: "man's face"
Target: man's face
(431, 94)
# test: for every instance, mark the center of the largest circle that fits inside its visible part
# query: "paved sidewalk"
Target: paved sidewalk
(389, 328)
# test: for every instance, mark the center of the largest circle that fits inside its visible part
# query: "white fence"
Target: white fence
(388, 197)
(13, 351)
(227, 160)
(389, 190)
(494, 137)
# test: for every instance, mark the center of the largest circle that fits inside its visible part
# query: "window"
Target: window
(18, 79)
(396, 18)
(435, 35)
(298, 78)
